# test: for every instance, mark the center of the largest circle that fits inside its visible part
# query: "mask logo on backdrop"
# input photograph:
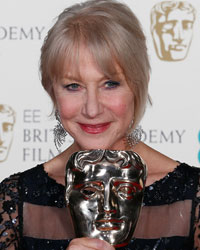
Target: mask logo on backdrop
(21, 33)
(7, 122)
(172, 29)
(199, 149)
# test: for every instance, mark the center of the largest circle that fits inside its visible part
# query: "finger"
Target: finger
(77, 246)
(88, 243)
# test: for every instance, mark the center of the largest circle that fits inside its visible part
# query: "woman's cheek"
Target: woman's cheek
(122, 107)
(68, 108)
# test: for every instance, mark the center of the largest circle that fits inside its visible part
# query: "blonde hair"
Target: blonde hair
(112, 34)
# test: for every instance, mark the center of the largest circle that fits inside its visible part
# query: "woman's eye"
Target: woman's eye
(111, 84)
(72, 86)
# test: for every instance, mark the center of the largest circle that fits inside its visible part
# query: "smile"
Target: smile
(94, 128)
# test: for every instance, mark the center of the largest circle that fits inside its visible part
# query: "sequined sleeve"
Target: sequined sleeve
(197, 220)
(9, 223)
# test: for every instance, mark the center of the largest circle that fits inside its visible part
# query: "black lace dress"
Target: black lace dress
(33, 213)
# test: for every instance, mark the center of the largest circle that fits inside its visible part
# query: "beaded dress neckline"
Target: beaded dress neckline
(36, 194)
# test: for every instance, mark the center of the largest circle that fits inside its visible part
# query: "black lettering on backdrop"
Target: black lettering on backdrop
(37, 135)
(161, 136)
(32, 116)
(167, 138)
(21, 33)
(37, 154)
(180, 135)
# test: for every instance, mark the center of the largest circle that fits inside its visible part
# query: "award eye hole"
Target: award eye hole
(89, 192)
(126, 192)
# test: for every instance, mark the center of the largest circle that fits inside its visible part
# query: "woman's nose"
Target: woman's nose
(93, 105)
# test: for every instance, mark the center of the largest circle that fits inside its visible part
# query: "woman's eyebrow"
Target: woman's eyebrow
(79, 79)
(71, 77)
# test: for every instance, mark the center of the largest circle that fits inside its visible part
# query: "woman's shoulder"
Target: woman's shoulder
(13, 179)
(180, 184)
(160, 166)
(11, 186)
(40, 189)
(11, 201)
(9, 193)
(34, 186)
(183, 173)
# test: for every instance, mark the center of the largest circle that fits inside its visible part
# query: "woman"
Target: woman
(94, 66)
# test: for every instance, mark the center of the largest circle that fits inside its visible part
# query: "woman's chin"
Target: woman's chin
(100, 145)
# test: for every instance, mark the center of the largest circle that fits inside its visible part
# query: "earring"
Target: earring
(134, 136)
(59, 132)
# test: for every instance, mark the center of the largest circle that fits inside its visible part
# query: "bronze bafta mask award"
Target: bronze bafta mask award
(104, 191)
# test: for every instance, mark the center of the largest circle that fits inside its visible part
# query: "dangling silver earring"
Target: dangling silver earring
(134, 135)
(59, 132)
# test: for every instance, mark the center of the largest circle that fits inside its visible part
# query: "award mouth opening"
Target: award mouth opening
(109, 224)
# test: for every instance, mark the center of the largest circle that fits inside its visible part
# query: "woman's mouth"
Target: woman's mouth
(94, 128)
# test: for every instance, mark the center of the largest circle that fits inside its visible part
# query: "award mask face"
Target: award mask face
(105, 192)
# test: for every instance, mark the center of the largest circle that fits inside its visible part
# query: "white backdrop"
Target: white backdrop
(171, 125)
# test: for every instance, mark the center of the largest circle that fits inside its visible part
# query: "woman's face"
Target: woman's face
(95, 110)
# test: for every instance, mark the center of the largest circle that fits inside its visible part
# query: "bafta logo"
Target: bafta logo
(172, 29)
(7, 121)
